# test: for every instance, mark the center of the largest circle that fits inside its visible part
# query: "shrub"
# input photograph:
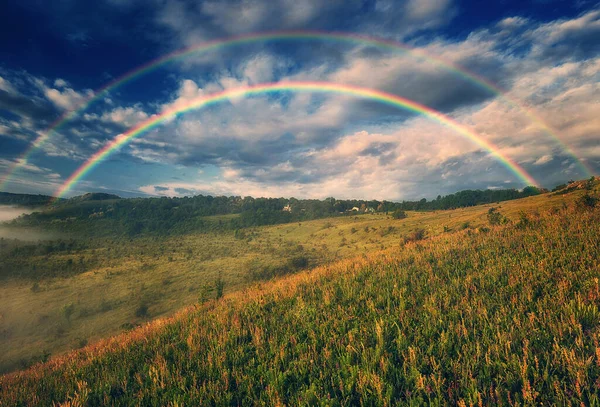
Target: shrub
(219, 287)
(68, 310)
(299, 262)
(142, 311)
(105, 305)
(399, 214)
(590, 183)
(494, 217)
(386, 231)
(415, 236)
(587, 201)
(559, 187)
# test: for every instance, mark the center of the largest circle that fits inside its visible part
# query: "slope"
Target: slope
(506, 314)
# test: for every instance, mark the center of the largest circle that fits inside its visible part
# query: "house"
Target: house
(287, 208)
(355, 209)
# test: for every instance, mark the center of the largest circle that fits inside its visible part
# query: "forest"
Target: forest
(109, 215)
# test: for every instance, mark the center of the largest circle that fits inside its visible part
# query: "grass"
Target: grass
(108, 283)
(504, 314)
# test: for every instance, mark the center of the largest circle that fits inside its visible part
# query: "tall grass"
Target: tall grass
(508, 316)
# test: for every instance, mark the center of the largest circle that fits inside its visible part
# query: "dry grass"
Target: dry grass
(504, 316)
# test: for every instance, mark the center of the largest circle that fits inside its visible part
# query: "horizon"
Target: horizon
(290, 197)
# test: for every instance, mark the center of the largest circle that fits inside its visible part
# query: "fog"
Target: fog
(8, 213)
(12, 212)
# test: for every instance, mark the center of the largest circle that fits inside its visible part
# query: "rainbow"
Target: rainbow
(321, 87)
(280, 36)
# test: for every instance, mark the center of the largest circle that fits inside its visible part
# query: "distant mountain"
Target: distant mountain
(7, 198)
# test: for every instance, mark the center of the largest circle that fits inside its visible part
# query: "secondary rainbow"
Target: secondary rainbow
(315, 87)
(280, 36)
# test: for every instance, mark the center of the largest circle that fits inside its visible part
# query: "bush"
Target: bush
(495, 217)
(415, 236)
(299, 262)
(399, 214)
(559, 187)
(142, 311)
(68, 310)
(587, 201)
(219, 287)
(204, 293)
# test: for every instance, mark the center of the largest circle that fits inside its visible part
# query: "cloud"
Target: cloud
(29, 168)
(67, 98)
(196, 22)
(6, 86)
(26, 107)
(574, 38)
(125, 116)
(543, 159)
(60, 83)
(292, 143)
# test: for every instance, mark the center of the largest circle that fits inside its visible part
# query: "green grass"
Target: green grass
(109, 281)
(487, 315)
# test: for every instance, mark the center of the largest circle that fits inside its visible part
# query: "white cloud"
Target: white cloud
(543, 159)
(126, 116)
(431, 13)
(6, 86)
(67, 98)
(29, 168)
(60, 83)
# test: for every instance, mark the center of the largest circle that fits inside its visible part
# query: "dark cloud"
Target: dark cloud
(41, 112)
(181, 191)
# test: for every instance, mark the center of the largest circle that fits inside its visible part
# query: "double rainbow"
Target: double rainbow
(315, 87)
(287, 36)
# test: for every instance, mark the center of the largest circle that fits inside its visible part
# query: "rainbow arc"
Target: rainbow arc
(270, 88)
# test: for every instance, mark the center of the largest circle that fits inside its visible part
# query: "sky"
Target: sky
(55, 56)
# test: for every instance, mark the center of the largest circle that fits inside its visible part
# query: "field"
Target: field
(101, 287)
(469, 313)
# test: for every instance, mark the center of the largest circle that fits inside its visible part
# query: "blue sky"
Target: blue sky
(54, 55)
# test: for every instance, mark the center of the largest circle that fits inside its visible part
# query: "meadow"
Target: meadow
(58, 295)
(438, 308)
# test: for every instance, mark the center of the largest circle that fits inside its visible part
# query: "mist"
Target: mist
(10, 212)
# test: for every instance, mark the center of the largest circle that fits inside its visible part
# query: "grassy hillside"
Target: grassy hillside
(499, 314)
(60, 295)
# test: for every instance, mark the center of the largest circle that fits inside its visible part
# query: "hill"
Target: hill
(500, 314)
(94, 196)
(7, 198)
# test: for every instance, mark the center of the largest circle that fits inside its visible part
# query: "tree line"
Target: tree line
(135, 216)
